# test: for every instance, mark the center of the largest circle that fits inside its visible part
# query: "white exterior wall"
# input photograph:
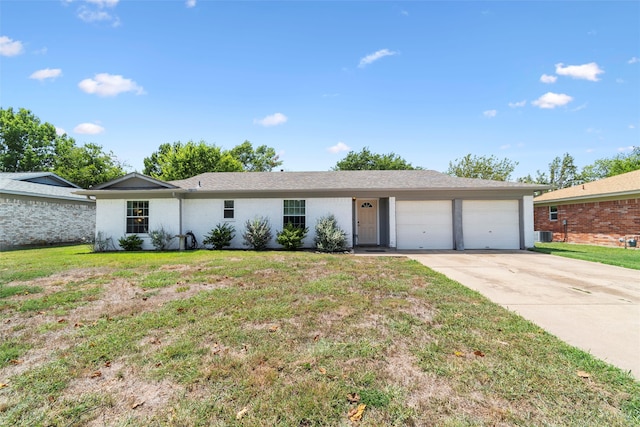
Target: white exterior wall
(202, 215)
(528, 221)
(111, 219)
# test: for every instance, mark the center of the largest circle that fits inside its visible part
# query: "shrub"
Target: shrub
(257, 233)
(220, 236)
(132, 242)
(161, 238)
(329, 237)
(291, 236)
(101, 242)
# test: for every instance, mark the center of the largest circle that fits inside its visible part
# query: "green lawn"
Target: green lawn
(628, 258)
(216, 338)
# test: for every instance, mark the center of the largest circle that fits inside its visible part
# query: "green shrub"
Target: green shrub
(161, 238)
(220, 236)
(329, 237)
(257, 233)
(101, 243)
(132, 242)
(291, 236)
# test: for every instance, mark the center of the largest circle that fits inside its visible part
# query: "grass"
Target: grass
(628, 258)
(280, 339)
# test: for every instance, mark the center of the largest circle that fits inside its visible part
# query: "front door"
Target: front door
(367, 222)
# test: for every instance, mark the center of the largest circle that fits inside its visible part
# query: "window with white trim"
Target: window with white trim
(553, 213)
(229, 207)
(137, 217)
(294, 213)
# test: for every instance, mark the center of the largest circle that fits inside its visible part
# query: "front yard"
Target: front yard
(628, 258)
(279, 339)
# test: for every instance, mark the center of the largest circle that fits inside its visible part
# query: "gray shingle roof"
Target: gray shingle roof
(25, 188)
(341, 180)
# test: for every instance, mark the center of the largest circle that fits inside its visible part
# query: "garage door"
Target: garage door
(491, 224)
(424, 225)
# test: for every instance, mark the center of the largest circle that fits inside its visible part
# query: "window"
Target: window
(553, 213)
(228, 209)
(294, 213)
(137, 217)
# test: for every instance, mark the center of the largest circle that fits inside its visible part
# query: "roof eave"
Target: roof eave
(589, 197)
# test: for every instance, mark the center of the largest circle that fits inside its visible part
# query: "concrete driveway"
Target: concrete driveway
(592, 306)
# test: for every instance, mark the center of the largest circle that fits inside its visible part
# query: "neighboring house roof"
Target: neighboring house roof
(39, 184)
(317, 182)
(626, 185)
(135, 181)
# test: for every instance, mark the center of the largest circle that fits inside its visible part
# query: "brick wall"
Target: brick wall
(33, 221)
(596, 223)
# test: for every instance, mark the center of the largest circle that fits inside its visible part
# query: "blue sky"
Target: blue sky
(430, 81)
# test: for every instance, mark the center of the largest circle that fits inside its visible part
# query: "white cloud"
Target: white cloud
(88, 129)
(340, 146)
(95, 11)
(375, 56)
(47, 73)
(588, 71)
(104, 3)
(490, 113)
(580, 107)
(105, 84)
(190, 3)
(632, 126)
(518, 104)
(623, 149)
(60, 131)
(10, 47)
(272, 120)
(633, 60)
(552, 100)
(545, 78)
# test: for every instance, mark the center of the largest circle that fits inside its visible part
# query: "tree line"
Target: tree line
(28, 145)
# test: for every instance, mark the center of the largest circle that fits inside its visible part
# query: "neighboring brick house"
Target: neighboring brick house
(39, 208)
(598, 213)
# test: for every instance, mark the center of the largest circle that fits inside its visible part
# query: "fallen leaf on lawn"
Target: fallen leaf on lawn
(78, 325)
(96, 374)
(137, 405)
(273, 328)
(458, 354)
(353, 397)
(457, 315)
(478, 353)
(107, 364)
(322, 371)
(15, 361)
(316, 338)
(6, 322)
(241, 413)
(356, 413)
(583, 374)
(3, 385)
(42, 312)
(62, 320)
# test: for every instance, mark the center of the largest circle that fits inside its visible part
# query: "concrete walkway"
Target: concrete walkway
(592, 306)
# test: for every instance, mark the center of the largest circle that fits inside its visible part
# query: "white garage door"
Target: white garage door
(424, 225)
(491, 224)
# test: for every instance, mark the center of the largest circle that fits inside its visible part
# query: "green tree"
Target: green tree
(366, 160)
(482, 167)
(262, 159)
(26, 144)
(619, 164)
(562, 173)
(180, 161)
(87, 165)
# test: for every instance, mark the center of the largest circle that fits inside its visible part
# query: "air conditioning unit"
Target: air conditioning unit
(543, 236)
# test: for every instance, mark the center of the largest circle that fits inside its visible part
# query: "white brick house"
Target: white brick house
(417, 209)
(40, 208)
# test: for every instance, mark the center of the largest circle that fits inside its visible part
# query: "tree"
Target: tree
(26, 144)
(87, 165)
(482, 167)
(262, 159)
(562, 173)
(180, 161)
(366, 160)
(604, 168)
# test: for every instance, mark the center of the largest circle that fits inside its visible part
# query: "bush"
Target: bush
(291, 236)
(101, 242)
(220, 236)
(131, 243)
(161, 238)
(329, 237)
(257, 234)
